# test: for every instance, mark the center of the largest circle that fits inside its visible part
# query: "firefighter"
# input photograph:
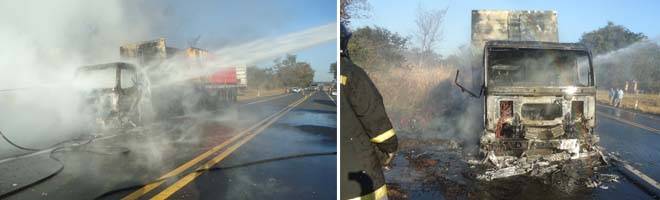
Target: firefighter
(367, 139)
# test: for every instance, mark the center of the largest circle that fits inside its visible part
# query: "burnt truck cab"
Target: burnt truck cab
(112, 94)
(540, 100)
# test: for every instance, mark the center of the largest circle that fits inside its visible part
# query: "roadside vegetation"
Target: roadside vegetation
(413, 78)
(284, 73)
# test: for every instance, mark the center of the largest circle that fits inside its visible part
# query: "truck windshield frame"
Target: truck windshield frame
(93, 78)
(533, 67)
(128, 78)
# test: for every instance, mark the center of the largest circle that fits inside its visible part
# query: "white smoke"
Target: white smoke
(44, 42)
(638, 61)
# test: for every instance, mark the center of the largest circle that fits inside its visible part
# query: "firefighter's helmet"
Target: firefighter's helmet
(344, 36)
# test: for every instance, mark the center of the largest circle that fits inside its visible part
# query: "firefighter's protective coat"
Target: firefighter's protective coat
(366, 135)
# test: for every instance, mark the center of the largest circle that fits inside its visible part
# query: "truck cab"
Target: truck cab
(539, 101)
(111, 94)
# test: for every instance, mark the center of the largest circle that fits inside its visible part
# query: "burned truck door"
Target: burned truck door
(131, 87)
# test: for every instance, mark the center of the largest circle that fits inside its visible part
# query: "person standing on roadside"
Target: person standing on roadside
(620, 97)
(612, 96)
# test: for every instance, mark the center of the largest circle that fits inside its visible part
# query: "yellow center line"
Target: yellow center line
(181, 168)
(147, 188)
(190, 177)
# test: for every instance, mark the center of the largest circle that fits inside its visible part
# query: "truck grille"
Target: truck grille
(549, 111)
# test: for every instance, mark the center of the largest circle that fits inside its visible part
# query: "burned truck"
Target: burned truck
(154, 81)
(183, 81)
(539, 102)
(539, 95)
(114, 95)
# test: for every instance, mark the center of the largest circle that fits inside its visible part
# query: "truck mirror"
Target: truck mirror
(466, 90)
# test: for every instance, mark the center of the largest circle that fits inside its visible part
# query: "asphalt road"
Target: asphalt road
(634, 138)
(274, 148)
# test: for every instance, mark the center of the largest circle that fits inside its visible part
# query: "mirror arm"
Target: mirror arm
(463, 89)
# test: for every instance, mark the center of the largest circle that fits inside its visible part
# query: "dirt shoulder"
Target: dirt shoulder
(646, 103)
(253, 94)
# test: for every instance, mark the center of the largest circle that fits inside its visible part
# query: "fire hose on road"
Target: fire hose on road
(212, 169)
(52, 150)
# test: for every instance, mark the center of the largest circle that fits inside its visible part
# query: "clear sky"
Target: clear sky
(227, 22)
(574, 17)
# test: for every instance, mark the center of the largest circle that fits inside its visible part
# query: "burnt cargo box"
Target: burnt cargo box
(527, 25)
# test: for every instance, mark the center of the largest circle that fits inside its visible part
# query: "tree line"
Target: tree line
(284, 73)
(621, 55)
(379, 49)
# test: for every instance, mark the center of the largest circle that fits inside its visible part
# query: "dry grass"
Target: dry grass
(254, 93)
(648, 103)
(424, 103)
(405, 91)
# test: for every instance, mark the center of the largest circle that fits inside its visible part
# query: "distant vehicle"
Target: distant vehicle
(296, 90)
(334, 92)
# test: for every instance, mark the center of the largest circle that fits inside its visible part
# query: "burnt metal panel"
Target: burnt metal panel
(517, 25)
(539, 91)
(534, 45)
